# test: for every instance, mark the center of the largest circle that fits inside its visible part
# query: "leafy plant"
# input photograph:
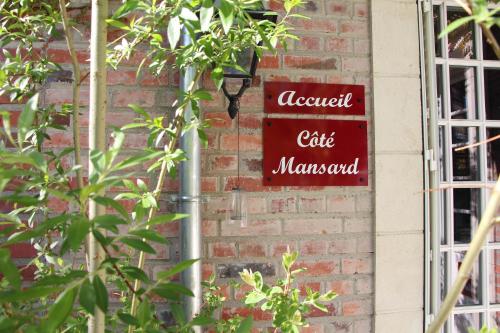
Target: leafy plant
(67, 292)
(282, 300)
(483, 329)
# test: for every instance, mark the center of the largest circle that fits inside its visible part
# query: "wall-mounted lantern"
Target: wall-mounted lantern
(247, 60)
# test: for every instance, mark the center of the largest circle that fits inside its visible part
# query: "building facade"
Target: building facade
(371, 244)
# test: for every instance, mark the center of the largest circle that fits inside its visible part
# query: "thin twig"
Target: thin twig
(496, 137)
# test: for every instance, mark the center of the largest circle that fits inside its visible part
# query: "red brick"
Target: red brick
(209, 228)
(256, 205)
(354, 28)
(209, 184)
(254, 228)
(310, 62)
(251, 249)
(252, 99)
(277, 77)
(313, 247)
(364, 286)
(339, 45)
(316, 328)
(250, 121)
(121, 77)
(317, 24)
(357, 65)
(332, 311)
(223, 163)
(124, 97)
(28, 272)
(269, 62)
(340, 246)
(283, 205)
(339, 8)
(356, 307)
(207, 270)
(250, 184)
(147, 79)
(341, 204)
(365, 245)
(62, 56)
(222, 249)
(361, 10)
(248, 142)
(314, 286)
(257, 314)
(277, 249)
(218, 119)
(312, 204)
(309, 78)
(356, 265)
(362, 47)
(318, 267)
(308, 43)
(312, 226)
(65, 95)
(341, 287)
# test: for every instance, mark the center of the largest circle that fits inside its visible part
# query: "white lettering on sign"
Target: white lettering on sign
(288, 98)
(316, 169)
(306, 139)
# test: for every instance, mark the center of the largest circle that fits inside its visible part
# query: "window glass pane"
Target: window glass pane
(463, 93)
(439, 88)
(437, 31)
(492, 93)
(466, 215)
(471, 294)
(443, 278)
(443, 175)
(494, 276)
(488, 53)
(465, 161)
(493, 153)
(494, 319)
(461, 40)
(443, 196)
(464, 321)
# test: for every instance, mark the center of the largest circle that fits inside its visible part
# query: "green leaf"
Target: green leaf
(9, 269)
(165, 218)
(101, 293)
(127, 318)
(28, 294)
(206, 13)
(245, 325)
(60, 310)
(203, 95)
(149, 235)
(77, 231)
(176, 269)
(87, 296)
(108, 222)
(144, 313)
(217, 76)
(138, 244)
(254, 297)
(187, 14)
(455, 25)
(26, 118)
(117, 24)
(139, 110)
(172, 291)
(108, 202)
(126, 8)
(202, 321)
(226, 15)
(135, 273)
(174, 31)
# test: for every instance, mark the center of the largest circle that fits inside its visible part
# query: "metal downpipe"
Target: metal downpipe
(433, 141)
(190, 191)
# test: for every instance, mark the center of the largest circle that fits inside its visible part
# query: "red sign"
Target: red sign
(306, 152)
(314, 98)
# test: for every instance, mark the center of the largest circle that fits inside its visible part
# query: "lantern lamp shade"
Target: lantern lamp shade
(237, 207)
(248, 59)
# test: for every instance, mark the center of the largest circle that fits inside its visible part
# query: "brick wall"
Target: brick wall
(330, 226)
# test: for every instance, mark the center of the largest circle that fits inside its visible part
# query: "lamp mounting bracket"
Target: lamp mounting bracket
(234, 99)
